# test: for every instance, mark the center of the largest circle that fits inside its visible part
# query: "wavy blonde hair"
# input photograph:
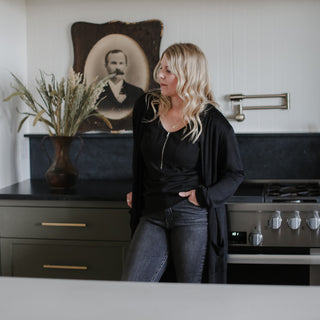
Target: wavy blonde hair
(189, 64)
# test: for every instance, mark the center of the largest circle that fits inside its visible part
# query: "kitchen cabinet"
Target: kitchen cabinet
(63, 238)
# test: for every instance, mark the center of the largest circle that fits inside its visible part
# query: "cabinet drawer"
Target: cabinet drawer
(62, 259)
(65, 223)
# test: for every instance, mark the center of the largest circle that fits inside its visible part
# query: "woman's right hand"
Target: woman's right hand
(129, 199)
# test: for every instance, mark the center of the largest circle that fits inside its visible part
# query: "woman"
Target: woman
(186, 164)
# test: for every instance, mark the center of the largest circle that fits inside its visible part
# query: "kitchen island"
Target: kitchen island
(52, 299)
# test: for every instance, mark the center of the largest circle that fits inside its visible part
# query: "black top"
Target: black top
(172, 165)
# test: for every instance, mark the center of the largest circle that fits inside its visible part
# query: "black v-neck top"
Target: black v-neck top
(172, 165)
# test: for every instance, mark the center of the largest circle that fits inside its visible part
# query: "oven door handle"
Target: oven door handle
(274, 259)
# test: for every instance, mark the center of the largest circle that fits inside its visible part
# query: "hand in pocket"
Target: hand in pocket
(191, 195)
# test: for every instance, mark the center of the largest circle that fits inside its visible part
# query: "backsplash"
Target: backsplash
(280, 156)
(102, 156)
(264, 156)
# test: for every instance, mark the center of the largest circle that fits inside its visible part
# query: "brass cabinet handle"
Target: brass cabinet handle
(58, 224)
(53, 266)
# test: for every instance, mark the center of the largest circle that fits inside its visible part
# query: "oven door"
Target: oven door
(274, 266)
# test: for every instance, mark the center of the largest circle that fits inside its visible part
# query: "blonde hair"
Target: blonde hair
(189, 64)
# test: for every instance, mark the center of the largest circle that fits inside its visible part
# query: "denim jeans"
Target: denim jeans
(179, 233)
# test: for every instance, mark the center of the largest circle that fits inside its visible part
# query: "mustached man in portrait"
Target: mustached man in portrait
(119, 96)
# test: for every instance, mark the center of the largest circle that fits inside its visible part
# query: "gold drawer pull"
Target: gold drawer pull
(53, 266)
(57, 224)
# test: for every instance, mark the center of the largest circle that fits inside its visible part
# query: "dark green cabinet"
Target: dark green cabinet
(63, 239)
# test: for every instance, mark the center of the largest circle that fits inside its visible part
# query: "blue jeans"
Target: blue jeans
(179, 233)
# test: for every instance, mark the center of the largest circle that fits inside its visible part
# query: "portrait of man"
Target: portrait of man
(127, 51)
(119, 95)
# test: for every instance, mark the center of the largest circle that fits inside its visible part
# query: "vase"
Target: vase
(62, 174)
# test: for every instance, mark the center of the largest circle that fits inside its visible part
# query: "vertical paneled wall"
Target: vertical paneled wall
(253, 47)
(14, 151)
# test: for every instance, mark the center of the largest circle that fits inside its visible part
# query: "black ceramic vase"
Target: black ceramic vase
(62, 174)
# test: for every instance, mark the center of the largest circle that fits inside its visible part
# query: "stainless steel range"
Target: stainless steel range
(274, 233)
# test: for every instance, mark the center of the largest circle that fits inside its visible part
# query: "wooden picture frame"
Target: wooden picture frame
(138, 43)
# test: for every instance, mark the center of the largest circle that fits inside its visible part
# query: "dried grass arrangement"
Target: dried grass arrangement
(62, 106)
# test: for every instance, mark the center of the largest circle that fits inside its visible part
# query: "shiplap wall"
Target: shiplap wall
(14, 151)
(253, 47)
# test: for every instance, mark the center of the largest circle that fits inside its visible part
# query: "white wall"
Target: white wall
(253, 47)
(14, 151)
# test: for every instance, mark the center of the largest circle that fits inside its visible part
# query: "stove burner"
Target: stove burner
(301, 192)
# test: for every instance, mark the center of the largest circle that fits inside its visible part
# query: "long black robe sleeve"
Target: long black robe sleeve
(222, 170)
(139, 111)
(222, 173)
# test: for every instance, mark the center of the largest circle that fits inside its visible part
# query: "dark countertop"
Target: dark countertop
(101, 190)
(86, 190)
(249, 192)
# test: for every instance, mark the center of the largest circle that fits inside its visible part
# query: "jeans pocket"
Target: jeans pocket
(193, 205)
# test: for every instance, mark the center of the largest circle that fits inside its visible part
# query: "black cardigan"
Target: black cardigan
(221, 174)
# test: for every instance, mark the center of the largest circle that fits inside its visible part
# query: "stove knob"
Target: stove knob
(275, 221)
(256, 239)
(314, 222)
(295, 221)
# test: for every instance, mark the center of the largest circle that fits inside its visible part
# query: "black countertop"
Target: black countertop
(102, 190)
(249, 193)
(86, 190)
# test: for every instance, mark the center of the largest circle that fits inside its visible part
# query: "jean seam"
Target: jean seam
(164, 260)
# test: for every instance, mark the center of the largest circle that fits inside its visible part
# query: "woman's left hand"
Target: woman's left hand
(191, 195)
(129, 199)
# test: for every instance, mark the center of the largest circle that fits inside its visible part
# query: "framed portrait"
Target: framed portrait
(128, 51)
